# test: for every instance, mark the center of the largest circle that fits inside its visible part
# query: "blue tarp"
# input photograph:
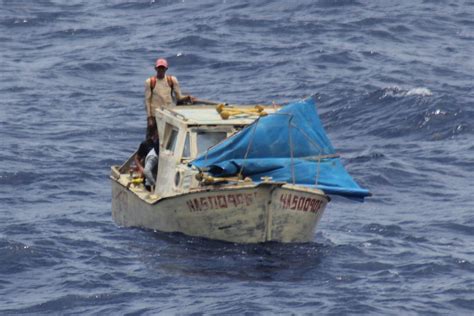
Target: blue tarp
(285, 146)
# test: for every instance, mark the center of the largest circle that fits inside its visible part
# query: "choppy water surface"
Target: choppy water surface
(395, 84)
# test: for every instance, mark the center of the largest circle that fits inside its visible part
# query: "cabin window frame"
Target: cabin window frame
(187, 148)
(194, 136)
(171, 137)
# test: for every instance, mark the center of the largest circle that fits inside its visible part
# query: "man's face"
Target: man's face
(160, 71)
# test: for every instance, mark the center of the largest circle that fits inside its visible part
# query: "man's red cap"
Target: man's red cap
(161, 62)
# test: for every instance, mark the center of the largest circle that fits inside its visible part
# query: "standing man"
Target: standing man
(162, 91)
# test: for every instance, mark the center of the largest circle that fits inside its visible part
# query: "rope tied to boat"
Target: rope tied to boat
(227, 111)
(207, 179)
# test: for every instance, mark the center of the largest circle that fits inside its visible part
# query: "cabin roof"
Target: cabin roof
(208, 115)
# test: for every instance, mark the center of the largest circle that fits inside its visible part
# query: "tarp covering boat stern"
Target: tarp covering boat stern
(288, 146)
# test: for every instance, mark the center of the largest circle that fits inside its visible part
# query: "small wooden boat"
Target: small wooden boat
(196, 197)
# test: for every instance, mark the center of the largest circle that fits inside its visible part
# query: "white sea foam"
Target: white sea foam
(398, 92)
(393, 91)
(420, 91)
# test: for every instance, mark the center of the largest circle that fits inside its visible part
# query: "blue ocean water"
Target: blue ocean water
(395, 83)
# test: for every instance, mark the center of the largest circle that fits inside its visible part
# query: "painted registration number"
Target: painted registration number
(300, 203)
(221, 201)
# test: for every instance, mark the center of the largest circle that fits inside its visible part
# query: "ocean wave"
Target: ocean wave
(395, 92)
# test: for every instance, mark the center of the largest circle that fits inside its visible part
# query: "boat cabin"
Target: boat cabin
(185, 133)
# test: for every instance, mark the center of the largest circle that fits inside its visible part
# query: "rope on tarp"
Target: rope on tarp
(291, 151)
(319, 148)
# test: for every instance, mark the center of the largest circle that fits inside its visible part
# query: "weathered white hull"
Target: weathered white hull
(248, 213)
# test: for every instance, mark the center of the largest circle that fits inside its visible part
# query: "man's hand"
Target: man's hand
(192, 99)
(188, 99)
